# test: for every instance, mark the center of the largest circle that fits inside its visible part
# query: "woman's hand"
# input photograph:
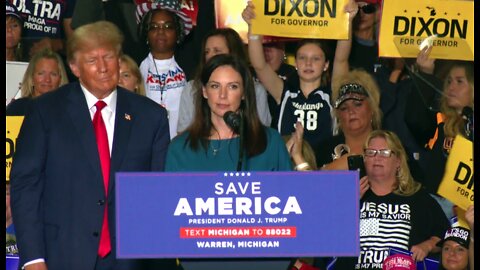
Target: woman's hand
(470, 219)
(352, 9)
(248, 13)
(364, 186)
(420, 251)
(295, 144)
(424, 62)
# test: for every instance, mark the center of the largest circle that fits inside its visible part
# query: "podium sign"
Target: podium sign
(11, 262)
(237, 215)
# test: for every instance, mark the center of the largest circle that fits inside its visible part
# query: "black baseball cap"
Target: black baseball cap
(11, 10)
(348, 91)
(457, 234)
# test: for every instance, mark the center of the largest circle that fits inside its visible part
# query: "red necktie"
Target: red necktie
(104, 153)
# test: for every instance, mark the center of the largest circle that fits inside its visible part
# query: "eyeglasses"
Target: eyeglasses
(163, 26)
(382, 152)
(368, 8)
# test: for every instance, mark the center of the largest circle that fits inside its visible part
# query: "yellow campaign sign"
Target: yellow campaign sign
(457, 182)
(13, 128)
(324, 19)
(406, 27)
(228, 14)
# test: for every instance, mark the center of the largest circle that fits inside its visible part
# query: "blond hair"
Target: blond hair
(365, 79)
(405, 184)
(28, 89)
(94, 35)
(133, 67)
(454, 123)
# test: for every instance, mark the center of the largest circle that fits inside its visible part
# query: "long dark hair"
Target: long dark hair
(254, 132)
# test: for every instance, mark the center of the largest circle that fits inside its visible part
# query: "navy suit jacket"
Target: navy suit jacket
(57, 193)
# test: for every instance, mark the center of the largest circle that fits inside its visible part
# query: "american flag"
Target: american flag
(380, 233)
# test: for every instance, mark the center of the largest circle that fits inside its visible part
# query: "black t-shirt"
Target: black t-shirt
(394, 221)
(314, 112)
(364, 55)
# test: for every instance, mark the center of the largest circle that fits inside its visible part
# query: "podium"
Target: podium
(237, 220)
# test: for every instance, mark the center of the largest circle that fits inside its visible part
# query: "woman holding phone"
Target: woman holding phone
(395, 212)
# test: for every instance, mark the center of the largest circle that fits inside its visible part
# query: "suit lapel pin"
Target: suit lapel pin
(128, 117)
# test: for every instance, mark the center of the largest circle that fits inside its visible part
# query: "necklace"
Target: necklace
(162, 78)
(218, 148)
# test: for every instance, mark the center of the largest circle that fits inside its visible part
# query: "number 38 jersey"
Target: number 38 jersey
(314, 112)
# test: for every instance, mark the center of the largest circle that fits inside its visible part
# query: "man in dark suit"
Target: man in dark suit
(63, 186)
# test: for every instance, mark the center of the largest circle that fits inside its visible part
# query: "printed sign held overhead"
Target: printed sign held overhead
(301, 18)
(407, 27)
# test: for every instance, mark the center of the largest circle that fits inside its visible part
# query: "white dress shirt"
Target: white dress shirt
(108, 114)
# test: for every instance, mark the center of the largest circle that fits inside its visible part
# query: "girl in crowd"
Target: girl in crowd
(130, 76)
(309, 104)
(45, 72)
(218, 41)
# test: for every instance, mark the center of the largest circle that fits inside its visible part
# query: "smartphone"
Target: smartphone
(355, 162)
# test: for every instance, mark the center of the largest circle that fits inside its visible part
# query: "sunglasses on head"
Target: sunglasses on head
(369, 8)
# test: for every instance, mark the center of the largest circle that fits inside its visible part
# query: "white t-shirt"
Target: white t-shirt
(164, 83)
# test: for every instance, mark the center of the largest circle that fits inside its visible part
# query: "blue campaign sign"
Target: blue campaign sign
(237, 215)
(11, 262)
